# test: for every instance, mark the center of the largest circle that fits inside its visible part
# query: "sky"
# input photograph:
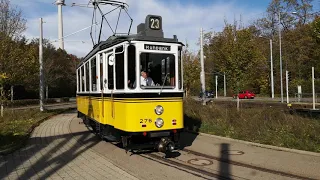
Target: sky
(183, 18)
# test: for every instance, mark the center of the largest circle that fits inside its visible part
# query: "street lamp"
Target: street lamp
(202, 74)
(271, 67)
(279, 14)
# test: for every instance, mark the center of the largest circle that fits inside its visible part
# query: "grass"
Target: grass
(263, 124)
(16, 126)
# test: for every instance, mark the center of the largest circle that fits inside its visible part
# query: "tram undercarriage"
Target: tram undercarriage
(163, 141)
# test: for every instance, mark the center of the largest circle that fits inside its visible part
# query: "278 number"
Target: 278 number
(145, 120)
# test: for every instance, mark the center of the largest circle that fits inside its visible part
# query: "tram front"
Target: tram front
(154, 100)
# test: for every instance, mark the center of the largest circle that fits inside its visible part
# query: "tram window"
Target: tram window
(78, 79)
(180, 69)
(131, 66)
(110, 75)
(119, 68)
(87, 76)
(160, 68)
(101, 72)
(93, 74)
(82, 78)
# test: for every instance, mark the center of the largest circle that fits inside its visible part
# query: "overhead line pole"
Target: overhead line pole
(280, 58)
(271, 70)
(202, 78)
(41, 92)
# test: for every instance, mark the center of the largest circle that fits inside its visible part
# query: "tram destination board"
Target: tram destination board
(157, 47)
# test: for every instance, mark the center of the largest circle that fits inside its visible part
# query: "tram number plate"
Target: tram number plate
(145, 120)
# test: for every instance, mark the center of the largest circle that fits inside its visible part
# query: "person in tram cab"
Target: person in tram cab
(145, 80)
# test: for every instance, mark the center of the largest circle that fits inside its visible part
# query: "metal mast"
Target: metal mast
(60, 3)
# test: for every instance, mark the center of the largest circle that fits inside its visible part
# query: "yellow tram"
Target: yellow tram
(130, 88)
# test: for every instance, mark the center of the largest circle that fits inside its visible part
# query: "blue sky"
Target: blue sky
(180, 17)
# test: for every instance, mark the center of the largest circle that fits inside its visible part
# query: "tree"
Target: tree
(11, 21)
(269, 24)
(191, 71)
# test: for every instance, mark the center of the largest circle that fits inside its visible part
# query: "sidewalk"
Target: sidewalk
(302, 164)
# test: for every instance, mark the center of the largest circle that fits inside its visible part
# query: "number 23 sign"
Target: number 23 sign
(155, 22)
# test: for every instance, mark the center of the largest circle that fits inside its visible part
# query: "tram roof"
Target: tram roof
(114, 40)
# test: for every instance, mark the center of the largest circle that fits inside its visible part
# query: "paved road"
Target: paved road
(55, 153)
(63, 148)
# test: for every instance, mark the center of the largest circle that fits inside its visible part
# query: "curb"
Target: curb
(260, 145)
(24, 140)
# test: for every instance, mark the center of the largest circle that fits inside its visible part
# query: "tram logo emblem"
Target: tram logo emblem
(157, 47)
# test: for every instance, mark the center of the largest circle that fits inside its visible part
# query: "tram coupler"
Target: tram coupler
(165, 145)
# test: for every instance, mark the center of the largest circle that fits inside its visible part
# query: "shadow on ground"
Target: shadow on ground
(52, 159)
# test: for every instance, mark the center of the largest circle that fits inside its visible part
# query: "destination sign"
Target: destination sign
(156, 47)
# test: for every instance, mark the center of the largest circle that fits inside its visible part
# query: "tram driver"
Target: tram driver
(144, 80)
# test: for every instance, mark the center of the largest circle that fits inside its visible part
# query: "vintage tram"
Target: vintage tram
(114, 98)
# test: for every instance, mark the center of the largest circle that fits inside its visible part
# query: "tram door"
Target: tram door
(109, 80)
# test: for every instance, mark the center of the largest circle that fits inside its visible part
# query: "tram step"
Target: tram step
(110, 138)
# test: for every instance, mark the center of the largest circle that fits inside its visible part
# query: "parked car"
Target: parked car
(245, 95)
(208, 94)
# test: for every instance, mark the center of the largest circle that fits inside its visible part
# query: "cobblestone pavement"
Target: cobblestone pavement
(54, 153)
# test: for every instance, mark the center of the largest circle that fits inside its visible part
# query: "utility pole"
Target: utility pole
(202, 78)
(216, 87)
(313, 91)
(280, 58)
(41, 68)
(271, 70)
(224, 84)
(60, 3)
(287, 85)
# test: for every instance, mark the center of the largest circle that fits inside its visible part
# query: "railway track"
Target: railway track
(213, 167)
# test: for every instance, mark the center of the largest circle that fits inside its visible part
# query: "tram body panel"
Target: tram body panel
(133, 115)
(139, 115)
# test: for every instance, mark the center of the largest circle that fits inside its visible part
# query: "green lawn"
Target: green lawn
(263, 124)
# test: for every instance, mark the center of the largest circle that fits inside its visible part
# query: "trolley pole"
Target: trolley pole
(41, 68)
(313, 91)
(202, 78)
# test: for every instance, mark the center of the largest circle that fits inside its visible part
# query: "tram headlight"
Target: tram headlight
(159, 122)
(158, 110)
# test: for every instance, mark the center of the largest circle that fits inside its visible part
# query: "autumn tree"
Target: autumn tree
(11, 21)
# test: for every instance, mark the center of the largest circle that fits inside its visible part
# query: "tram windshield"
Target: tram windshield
(157, 71)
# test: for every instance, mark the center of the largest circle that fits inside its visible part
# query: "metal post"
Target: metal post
(60, 3)
(202, 78)
(281, 87)
(271, 70)
(224, 84)
(313, 91)
(216, 86)
(287, 85)
(40, 63)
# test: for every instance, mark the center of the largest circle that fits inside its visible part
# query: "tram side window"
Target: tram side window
(93, 74)
(79, 80)
(110, 75)
(82, 78)
(180, 69)
(119, 68)
(101, 72)
(131, 66)
(87, 76)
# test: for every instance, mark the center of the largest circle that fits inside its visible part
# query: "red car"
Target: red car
(245, 95)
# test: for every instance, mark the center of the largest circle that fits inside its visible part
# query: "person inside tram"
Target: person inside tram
(144, 80)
